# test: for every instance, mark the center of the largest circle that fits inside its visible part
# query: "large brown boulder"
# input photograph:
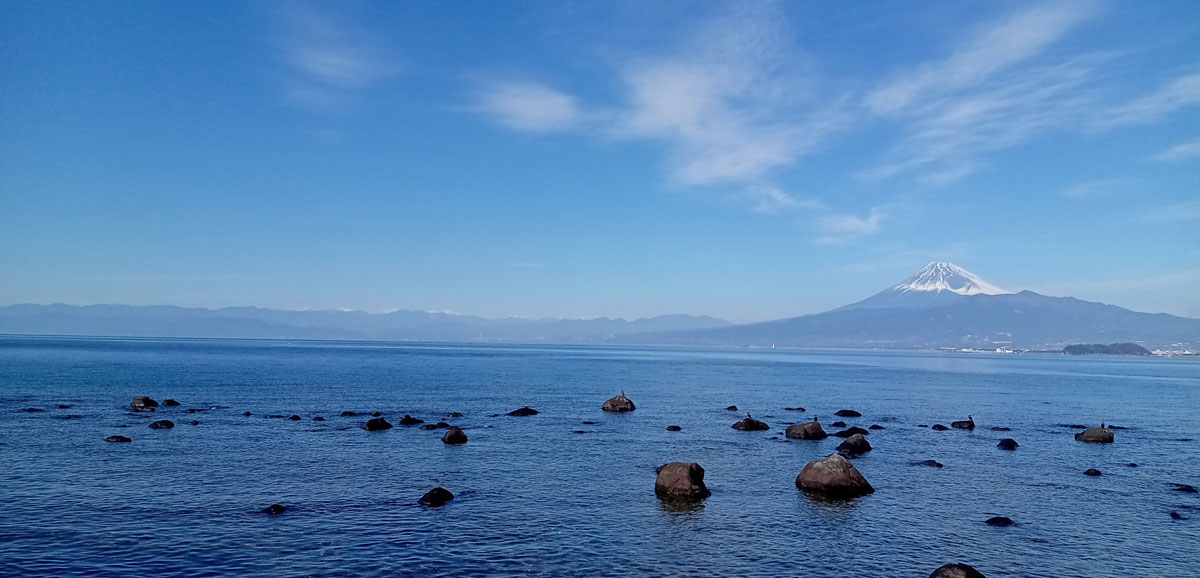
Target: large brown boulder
(806, 431)
(1096, 435)
(454, 435)
(680, 481)
(618, 403)
(143, 401)
(750, 424)
(834, 477)
(956, 570)
(855, 444)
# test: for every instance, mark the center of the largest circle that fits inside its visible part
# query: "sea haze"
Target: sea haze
(536, 498)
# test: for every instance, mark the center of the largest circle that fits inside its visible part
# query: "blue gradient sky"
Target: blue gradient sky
(747, 160)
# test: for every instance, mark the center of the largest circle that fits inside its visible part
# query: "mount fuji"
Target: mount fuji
(944, 305)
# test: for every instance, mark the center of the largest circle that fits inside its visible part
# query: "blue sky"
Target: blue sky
(744, 160)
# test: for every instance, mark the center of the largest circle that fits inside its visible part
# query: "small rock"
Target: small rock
(376, 414)
(875, 426)
(838, 424)
(1176, 515)
(71, 416)
(850, 432)
(194, 422)
(377, 424)
(170, 403)
(930, 463)
(523, 411)
(1001, 428)
(410, 420)
(956, 570)
(806, 431)
(436, 497)
(834, 477)
(162, 424)
(618, 403)
(939, 427)
(31, 410)
(1095, 435)
(64, 406)
(847, 413)
(922, 425)
(295, 417)
(349, 413)
(750, 424)
(731, 408)
(454, 435)
(455, 414)
(674, 428)
(794, 408)
(441, 424)
(1183, 488)
(274, 509)
(1008, 444)
(1131, 465)
(1091, 472)
(1073, 425)
(428, 426)
(195, 410)
(968, 423)
(855, 445)
(143, 408)
(246, 413)
(680, 481)
(117, 439)
(578, 431)
(143, 401)
(318, 418)
(588, 422)
(999, 521)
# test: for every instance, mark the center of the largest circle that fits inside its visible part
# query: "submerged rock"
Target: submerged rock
(1001, 428)
(838, 424)
(939, 427)
(1183, 488)
(349, 413)
(318, 418)
(618, 403)
(1095, 435)
(295, 417)
(850, 432)
(436, 497)
(1091, 472)
(585, 422)
(524, 411)
(674, 428)
(806, 431)
(1176, 515)
(375, 414)
(833, 476)
(956, 570)
(441, 424)
(410, 420)
(194, 422)
(64, 406)
(428, 426)
(794, 409)
(855, 445)
(273, 509)
(454, 436)
(847, 413)
(162, 424)
(999, 521)
(377, 424)
(748, 423)
(930, 463)
(680, 481)
(455, 414)
(875, 426)
(247, 414)
(143, 401)
(170, 403)
(1008, 444)
(968, 423)
(121, 439)
(1131, 465)
(731, 408)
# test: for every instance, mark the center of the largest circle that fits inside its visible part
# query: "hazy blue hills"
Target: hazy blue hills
(254, 322)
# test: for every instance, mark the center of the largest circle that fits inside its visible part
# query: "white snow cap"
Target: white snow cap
(943, 276)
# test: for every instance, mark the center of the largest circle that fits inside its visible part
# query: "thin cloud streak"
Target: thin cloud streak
(527, 106)
(1180, 152)
(841, 228)
(1179, 93)
(1176, 213)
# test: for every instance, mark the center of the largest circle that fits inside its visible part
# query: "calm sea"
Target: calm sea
(536, 498)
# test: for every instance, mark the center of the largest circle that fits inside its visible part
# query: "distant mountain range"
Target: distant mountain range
(940, 306)
(254, 322)
(944, 305)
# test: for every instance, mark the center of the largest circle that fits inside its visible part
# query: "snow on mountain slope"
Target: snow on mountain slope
(943, 276)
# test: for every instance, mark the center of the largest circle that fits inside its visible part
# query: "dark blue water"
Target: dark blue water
(534, 498)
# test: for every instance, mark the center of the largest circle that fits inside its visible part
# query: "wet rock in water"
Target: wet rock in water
(524, 411)
(1131, 465)
(1095, 435)
(930, 463)
(274, 509)
(578, 431)
(1008, 444)
(295, 417)
(170, 403)
(806, 431)
(493, 415)
(143, 401)
(794, 409)
(939, 427)
(1001, 428)
(138, 409)
(922, 425)
(1176, 515)
(968, 423)
(247, 414)
(838, 424)
(855, 445)
(1091, 472)
(195, 409)
(349, 413)
(454, 435)
(441, 424)
(64, 406)
(436, 497)
(674, 428)
(847, 413)
(274, 416)
(1073, 425)
(618, 403)
(377, 424)
(588, 422)
(194, 422)
(1115, 427)
(833, 476)
(680, 481)
(376, 414)
(31, 410)
(850, 432)
(455, 414)
(956, 570)
(999, 521)
(71, 416)
(428, 426)
(748, 423)
(875, 426)
(410, 420)
(731, 408)
(318, 418)
(162, 424)
(1183, 488)
(117, 439)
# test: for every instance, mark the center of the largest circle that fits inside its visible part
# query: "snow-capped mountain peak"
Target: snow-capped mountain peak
(943, 276)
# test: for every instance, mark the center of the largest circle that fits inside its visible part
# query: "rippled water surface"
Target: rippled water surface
(536, 498)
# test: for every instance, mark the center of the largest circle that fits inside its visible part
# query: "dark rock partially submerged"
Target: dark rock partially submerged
(999, 521)
(806, 431)
(121, 439)
(1095, 435)
(1183, 488)
(968, 423)
(1091, 472)
(834, 477)
(143, 401)
(748, 423)
(318, 418)
(410, 420)
(680, 481)
(349, 413)
(377, 424)
(295, 417)
(194, 422)
(847, 413)
(455, 414)
(454, 436)
(838, 424)
(855, 445)
(850, 432)
(170, 403)
(674, 428)
(274, 509)
(731, 408)
(162, 424)
(618, 403)
(1008, 444)
(428, 426)
(436, 497)
(247, 414)
(1176, 515)
(930, 463)
(1001, 428)
(524, 411)
(939, 427)
(956, 570)
(794, 409)
(875, 426)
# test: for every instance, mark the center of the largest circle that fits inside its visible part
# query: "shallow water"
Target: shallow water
(534, 498)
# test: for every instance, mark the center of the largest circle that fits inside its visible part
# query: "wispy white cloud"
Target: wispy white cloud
(771, 200)
(527, 106)
(1180, 152)
(1096, 189)
(328, 58)
(1176, 213)
(839, 228)
(1179, 93)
